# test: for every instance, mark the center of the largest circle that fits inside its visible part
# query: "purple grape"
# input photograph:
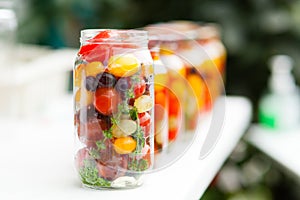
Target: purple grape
(106, 80)
(122, 85)
(91, 83)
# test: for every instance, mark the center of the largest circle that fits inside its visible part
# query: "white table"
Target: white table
(281, 146)
(37, 159)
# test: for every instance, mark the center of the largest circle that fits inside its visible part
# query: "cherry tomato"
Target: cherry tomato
(145, 122)
(106, 100)
(161, 98)
(84, 50)
(174, 104)
(172, 134)
(140, 88)
(123, 65)
(124, 145)
(144, 118)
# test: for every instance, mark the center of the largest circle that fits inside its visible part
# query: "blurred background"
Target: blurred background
(252, 31)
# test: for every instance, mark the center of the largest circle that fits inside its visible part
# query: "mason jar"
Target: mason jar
(113, 108)
(176, 85)
(197, 50)
(212, 66)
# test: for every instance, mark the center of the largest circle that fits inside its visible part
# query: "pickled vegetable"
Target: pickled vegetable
(124, 128)
(144, 103)
(106, 100)
(123, 65)
(124, 145)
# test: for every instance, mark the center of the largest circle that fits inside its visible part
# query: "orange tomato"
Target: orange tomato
(124, 145)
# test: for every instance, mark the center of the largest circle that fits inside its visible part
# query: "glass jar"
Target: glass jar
(212, 67)
(183, 108)
(114, 103)
(175, 81)
(198, 49)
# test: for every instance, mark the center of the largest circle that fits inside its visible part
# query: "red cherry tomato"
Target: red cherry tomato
(106, 100)
(87, 49)
(95, 53)
(172, 134)
(145, 122)
(174, 104)
(144, 118)
(140, 88)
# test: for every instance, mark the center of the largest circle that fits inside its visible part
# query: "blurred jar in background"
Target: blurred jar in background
(8, 28)
(161, 109)
(199, 49)
(212, 67)
(176, 83)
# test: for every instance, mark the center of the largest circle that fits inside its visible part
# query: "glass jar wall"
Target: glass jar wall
(161, 94)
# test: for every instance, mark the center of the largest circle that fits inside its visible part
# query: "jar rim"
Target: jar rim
(117, 36)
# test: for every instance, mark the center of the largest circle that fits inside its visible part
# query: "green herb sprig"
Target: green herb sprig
(89, 175)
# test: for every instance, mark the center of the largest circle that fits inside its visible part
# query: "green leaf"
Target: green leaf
(133, 113)
(108, 133)
(140, 140)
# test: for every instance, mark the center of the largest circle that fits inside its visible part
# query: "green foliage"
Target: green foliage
(89, 175)
(138, 165)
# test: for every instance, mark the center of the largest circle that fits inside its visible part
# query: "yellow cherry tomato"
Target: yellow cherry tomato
(123, 65)
(124, 145)
(94, 68)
